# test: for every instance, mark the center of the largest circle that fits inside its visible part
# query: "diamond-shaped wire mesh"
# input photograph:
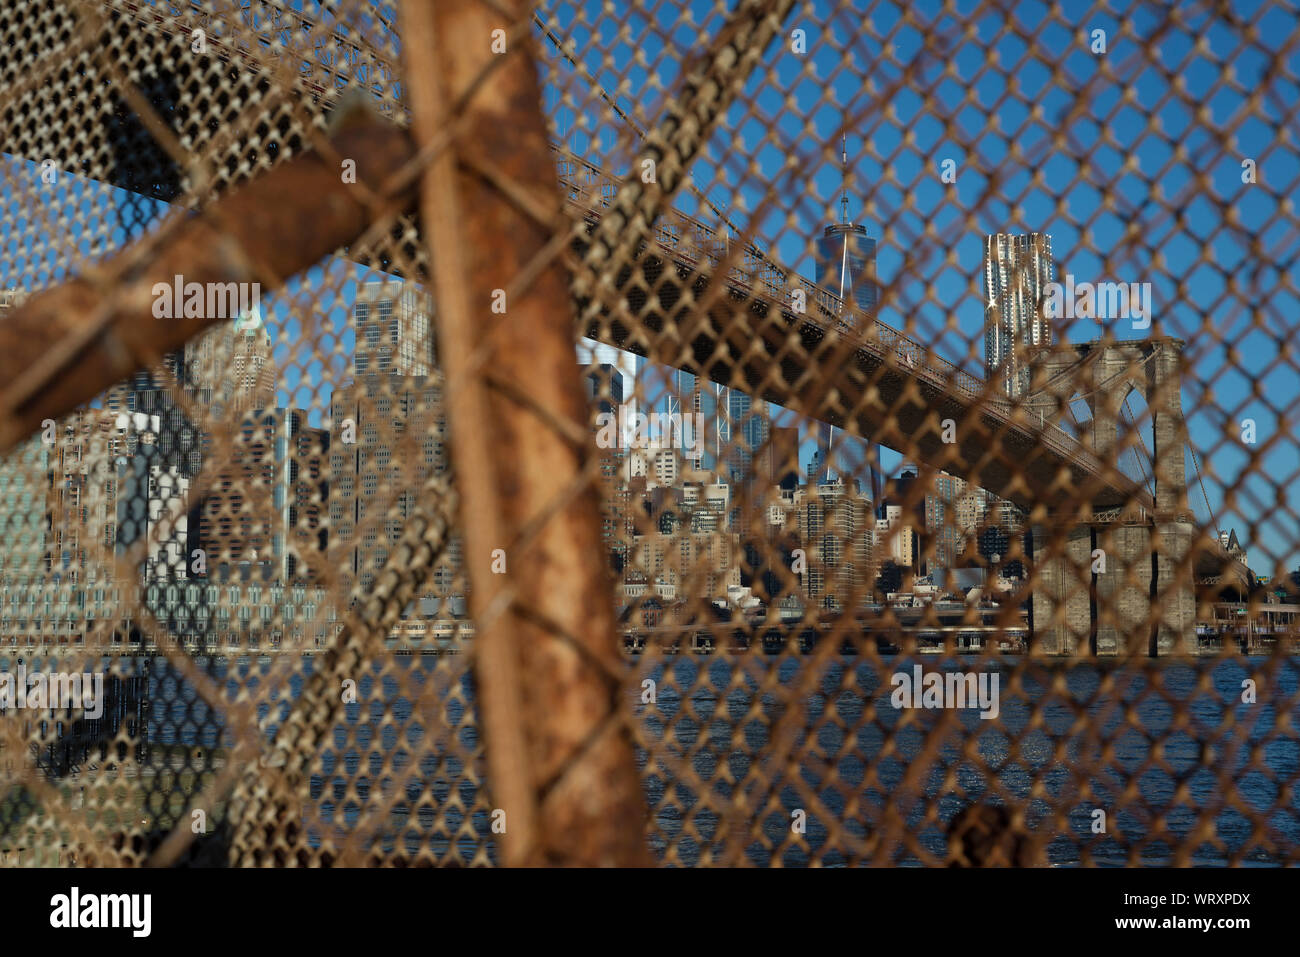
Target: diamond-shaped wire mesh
(922, 348)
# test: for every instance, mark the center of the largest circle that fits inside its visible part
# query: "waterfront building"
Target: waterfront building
(663, 564)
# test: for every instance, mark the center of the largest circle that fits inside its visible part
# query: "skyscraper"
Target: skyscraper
(778, 461)
(605, 386)
(177, 442)
(750, 427)
(151, 492)
(307, 501)
(393, 330)
(58, 520)
(231, 367)
(835, 527)
(846, 266)
(936, 515)
(388, 435)
(605, 393)
(688, 394)
(261, 519)
(628, 366)
(1017, 269)
(846, 259)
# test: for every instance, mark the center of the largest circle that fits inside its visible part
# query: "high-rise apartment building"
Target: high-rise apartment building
(152, 497)
(177, 442)
(662, 563)
(939, 516)
(941, 520)
(895, 537)
(391, 319)
(1017, 269)
(261, 520)
(388, 435)
(836, 531)
(661, 468)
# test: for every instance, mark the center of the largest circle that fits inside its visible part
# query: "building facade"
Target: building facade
(391, 320)
(1017, 269)
(836, 531)
(388, 435)
(845, 265)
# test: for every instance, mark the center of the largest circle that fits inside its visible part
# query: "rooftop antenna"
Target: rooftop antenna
(844, 178)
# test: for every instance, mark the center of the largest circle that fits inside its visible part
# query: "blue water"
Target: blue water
(1036, 738)
(853, 750)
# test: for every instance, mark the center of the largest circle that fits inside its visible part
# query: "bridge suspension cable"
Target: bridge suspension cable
(1146, 455)
(640, 130)
(1200, 480)
(1102, 385)
(1070, 370)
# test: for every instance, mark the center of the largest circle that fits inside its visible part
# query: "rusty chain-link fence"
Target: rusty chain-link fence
(695, 433)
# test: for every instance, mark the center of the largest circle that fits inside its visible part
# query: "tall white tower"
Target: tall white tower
(1017, 269)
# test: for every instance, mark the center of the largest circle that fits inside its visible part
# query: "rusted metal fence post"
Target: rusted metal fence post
(69, 343)
(560, 759)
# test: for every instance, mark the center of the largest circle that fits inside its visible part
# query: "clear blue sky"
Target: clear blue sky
(1148, 154)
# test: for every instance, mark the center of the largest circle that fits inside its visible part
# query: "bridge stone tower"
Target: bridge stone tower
(1113, 575)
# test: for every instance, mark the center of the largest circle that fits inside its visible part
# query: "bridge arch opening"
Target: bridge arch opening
(1135, 442)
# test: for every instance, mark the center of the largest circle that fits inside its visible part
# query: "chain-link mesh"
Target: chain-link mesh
(940, 406)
